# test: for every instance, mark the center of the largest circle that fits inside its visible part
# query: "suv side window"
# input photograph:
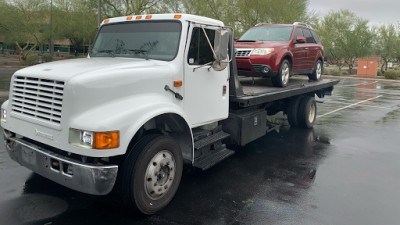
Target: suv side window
(308, 36)
(298, 33)
(315, 36)
(200, 52)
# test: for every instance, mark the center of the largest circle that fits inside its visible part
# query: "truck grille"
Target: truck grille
(243, 52)
(38, 98)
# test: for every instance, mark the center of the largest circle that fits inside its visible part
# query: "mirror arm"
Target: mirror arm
(209, 43)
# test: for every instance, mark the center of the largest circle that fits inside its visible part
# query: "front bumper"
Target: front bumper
(84, 177)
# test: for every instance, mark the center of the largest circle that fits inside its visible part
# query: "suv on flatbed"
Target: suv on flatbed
(279, 51)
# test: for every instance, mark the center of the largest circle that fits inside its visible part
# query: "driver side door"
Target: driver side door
(206, 90)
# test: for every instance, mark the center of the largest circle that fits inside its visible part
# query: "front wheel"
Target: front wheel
(151, 173)
(282, 78)
(316, 75)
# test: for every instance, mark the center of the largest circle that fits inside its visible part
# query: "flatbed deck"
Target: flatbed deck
(260, 90)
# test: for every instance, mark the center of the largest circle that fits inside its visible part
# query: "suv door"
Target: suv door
(206, 90)
(312, 49)
(299, 52)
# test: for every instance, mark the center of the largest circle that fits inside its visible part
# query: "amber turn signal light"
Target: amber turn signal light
(106, 140)
(178, 83)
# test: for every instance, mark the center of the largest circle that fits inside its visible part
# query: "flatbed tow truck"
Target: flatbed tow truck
(156, 92)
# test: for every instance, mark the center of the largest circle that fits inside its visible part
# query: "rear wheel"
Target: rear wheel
(316, 75)
(292, 111)
(307, 112)
(282, 78)
(151, 173)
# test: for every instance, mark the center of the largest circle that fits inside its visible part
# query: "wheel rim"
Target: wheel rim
(318, 71)
(285, 73)
(311, 115)
(159, 175)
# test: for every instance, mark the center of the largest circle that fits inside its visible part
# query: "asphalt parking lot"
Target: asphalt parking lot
(344, 171)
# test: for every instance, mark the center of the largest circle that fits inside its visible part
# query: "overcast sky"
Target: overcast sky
(376, 11)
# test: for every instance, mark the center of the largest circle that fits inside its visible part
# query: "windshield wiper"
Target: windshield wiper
(109, 51)
(140, 51)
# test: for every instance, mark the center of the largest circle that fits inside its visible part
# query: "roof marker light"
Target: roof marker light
(106, 21)
(129, 18)
(148, 17)
(177, 16)
(138, 17)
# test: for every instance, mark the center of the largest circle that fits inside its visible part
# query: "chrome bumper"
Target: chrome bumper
(84, 177)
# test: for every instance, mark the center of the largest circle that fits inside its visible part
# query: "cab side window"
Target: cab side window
(200, 52)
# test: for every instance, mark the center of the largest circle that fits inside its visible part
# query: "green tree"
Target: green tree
(76, 21)
(345, 37)
(387, 43)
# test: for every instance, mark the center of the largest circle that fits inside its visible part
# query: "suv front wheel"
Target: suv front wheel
(282, 78)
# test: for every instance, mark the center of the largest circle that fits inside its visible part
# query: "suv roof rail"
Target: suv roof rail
(303, 24)
(261, 24)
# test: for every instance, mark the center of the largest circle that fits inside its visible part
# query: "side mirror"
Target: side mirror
(221, 42)
(300, 40)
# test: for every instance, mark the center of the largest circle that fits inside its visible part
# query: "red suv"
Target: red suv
(279, 51)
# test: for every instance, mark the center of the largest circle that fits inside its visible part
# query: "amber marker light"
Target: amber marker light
(106, 21)
(178, 83)
(177, 16)
(105, 140)
(129, 18)
(148, 17)
(138, 17)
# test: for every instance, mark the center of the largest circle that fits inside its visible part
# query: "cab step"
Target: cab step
(220, 135)
(204, 162)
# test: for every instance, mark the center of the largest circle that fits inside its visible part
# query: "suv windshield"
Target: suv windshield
(149, 40)
(267, 33)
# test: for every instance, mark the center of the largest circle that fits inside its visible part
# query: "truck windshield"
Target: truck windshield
(267, 33)
(145, 39)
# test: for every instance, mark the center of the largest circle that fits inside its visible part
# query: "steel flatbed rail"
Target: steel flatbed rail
(261, 90)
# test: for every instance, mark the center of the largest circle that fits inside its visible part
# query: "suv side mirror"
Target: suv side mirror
(221, 49)
(300, 40)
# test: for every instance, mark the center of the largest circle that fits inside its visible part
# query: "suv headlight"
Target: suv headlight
(94, 140)
(262, 51)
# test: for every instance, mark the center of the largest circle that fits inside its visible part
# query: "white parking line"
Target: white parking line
(337, 110)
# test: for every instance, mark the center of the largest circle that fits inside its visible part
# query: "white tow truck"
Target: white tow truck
(155, 92)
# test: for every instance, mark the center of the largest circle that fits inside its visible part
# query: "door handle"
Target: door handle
(306, 48)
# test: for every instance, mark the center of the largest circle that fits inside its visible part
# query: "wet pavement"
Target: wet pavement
(344, 171)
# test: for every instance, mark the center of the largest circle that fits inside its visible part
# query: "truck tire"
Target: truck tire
(282, 78)
(151, 173)
(307, 112)
(316, 75)
(293, 111)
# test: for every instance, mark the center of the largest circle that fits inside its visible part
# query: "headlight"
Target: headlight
(262, 51)
(3, 115)
(94, 140)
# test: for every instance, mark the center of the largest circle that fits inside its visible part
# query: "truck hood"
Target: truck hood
(66, 69)
(261, 44)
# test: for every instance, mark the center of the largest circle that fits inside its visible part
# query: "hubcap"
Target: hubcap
(311, 115)
(285, 73)
(318, 70)
(159, 175)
